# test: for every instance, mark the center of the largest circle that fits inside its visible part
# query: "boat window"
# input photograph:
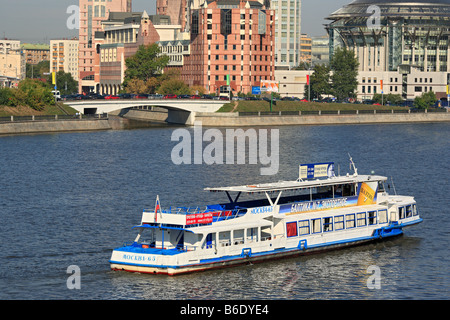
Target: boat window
(401, 212)
(327, 224)
(322, 193)
(408, 211)
(361, 219)
(372, 217)
(350, 221)
(414, 208)
(348, 190)
(382, 216)
(224, 238)
(316, 226)
(381, 186)
(252, 234)
(339, 222)
(210, 241)
(303, 227)
(238, 236)
(291, 229)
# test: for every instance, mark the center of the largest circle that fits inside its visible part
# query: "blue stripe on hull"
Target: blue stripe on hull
(221, 262)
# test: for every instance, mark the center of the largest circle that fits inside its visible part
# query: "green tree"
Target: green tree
(35, 94)
(7, 97)
(319, 82)
(145, 64)
(36, 71)
(426, 100)
(344, 80)
(64, 80)
(174, 86)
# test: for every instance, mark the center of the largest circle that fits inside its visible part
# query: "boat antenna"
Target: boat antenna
(392, 180)
(352, 164)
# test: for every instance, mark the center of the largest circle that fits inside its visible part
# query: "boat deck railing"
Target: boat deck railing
(219, 212)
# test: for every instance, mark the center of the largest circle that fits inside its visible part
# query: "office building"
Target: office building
(64, 56)
(232, 46)
(287, 33)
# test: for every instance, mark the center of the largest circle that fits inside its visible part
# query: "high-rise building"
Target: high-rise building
(287, 33)
(64, 56)
(92, 13)
(231, 46)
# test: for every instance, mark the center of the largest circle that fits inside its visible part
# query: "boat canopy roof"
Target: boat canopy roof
(297, 184)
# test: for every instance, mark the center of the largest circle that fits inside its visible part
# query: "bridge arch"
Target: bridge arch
(179, 110)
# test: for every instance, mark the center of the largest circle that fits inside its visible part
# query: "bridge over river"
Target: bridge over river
(180, 111)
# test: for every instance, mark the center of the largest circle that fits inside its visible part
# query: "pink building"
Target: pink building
(92, 13)
(230, 39)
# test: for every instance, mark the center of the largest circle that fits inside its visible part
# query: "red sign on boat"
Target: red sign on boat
(199, 218)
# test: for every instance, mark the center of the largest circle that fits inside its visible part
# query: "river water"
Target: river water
(68, 199)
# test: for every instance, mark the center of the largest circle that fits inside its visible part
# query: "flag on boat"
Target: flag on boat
(157, 207)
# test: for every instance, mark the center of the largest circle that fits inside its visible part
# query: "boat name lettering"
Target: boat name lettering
(262, 210)
(317, 205)
(138, 257)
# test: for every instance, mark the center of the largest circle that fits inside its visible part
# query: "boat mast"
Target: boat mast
(352, 164)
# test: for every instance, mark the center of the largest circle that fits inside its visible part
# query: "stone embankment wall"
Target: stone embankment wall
(234, 120)
(44, 126)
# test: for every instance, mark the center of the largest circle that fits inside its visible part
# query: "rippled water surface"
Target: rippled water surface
(70, 198)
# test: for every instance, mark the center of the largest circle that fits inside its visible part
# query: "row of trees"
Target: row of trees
(342, 83)
(33, 93)
(339, 79)
(36, 90)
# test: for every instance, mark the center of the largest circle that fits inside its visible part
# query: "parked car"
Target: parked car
(110, 97)
(170, 96)
(184, 96)
(126, 96)
(207, 96)
(142, 96)
(195, 97)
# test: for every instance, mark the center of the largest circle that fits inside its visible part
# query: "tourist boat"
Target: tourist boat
(316, 212)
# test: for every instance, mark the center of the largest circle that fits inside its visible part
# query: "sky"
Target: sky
(39, 21)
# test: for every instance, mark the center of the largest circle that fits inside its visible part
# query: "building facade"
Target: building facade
(232, 46)
(35, 53)
(123, 34)
(305, 49)
(92, 13)
(320, 50)
(406, 48)
(64, 56)
(287, 32)
(12, 63)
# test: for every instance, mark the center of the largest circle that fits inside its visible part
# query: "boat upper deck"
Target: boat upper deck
(297, 184)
